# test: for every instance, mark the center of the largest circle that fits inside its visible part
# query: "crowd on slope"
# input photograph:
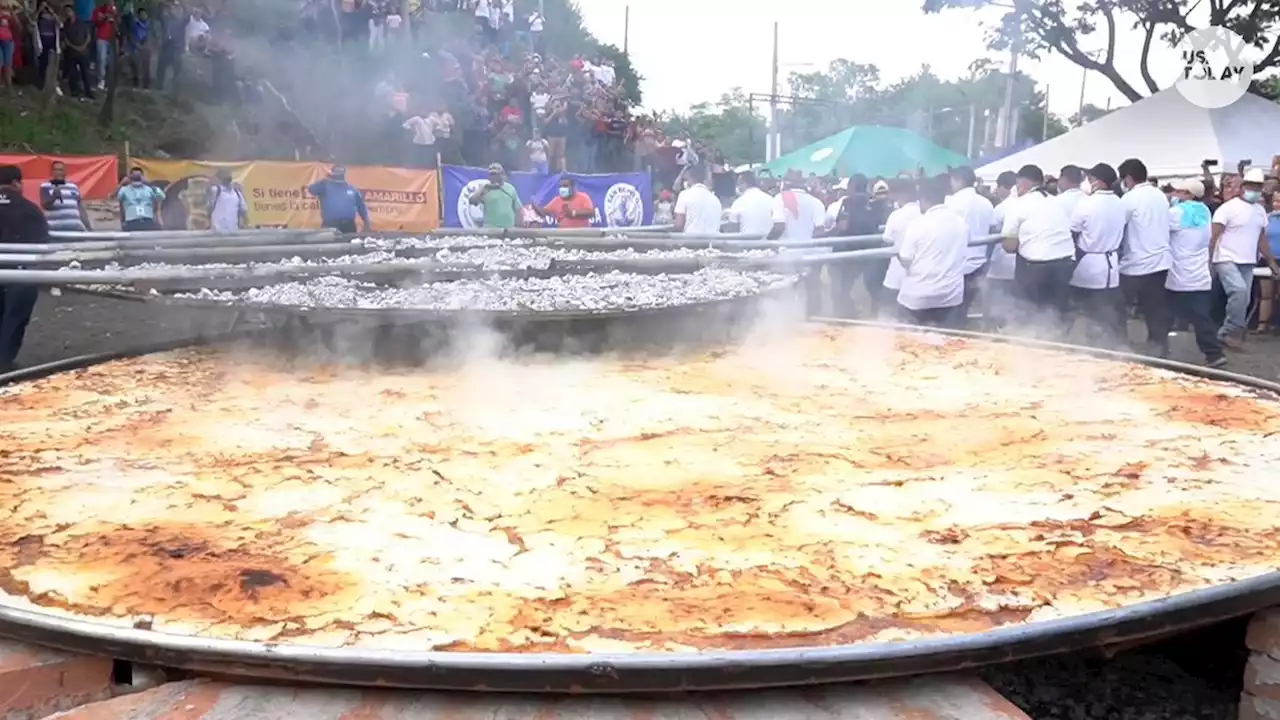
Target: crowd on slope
(83, 41)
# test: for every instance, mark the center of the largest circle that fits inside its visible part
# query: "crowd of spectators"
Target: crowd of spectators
(84, 40)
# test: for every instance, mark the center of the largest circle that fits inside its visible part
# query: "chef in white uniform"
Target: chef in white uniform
(997, 290)
(977, 212)
(895, 230)
(1097, 226)
(933, 256)
(1144, 257)
(1038, 230)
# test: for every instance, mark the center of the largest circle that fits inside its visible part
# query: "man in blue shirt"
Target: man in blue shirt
(139, 204)
(340, 202)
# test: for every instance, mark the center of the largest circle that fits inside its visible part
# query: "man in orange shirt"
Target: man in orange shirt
(572, 209)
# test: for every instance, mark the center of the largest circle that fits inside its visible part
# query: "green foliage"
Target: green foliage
(729, 125)
(149, 122)
(851, 93)
(1072, 29)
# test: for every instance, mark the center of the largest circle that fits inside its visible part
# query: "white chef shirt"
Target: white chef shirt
(1041, 226)
(895, 233)
(1146, 235)
(1242, 224)
(1099, 219)
(1189, 251)
(701, 209)
(807, 219)
(1070, 199)
(977, 212)
(753, 212)
(1002, 263)
(934, 249)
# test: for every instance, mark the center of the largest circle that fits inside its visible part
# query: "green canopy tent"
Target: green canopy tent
(871, 150)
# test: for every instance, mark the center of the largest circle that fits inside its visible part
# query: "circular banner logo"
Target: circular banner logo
(623, 206)
(1213, 72)
(471, 216)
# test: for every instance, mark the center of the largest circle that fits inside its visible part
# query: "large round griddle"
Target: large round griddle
(650, 672)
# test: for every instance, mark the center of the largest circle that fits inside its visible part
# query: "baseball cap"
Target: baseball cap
(496, 168)
(1189, 185)
(1255, 175)
(880, 187)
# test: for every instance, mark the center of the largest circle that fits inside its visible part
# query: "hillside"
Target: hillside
(301, 94)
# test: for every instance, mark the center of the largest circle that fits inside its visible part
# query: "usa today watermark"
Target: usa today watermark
(1214, 72)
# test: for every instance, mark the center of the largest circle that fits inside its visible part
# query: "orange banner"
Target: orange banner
(97, 175)
(397, 198)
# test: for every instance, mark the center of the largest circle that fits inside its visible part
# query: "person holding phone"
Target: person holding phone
(499, 198)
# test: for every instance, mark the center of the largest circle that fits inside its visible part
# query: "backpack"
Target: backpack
(217, 193)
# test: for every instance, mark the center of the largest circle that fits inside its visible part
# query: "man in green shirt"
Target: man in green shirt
(501, 203)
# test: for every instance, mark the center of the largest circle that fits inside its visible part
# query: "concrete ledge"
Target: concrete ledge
(942, 698)
(35, 683)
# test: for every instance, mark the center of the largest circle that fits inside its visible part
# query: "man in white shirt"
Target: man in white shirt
(997, 290)
(977, 212)
(1037, 229)
(1097, 226)
(1190, 280)
(1239, 239)
(1070, 192)
(797, 215)
(933, 256)
(752, 211)
(1144, 256)
(698, 211)
(895, 231)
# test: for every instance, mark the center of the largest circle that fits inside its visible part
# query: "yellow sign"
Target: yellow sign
(277, 195)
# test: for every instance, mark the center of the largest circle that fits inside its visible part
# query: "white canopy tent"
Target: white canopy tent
(1166, 132)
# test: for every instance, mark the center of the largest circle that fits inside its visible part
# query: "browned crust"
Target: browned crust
(848, 485)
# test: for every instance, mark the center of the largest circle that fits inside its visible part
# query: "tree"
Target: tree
(1056, 26)
(729, 125)
(1087, 114)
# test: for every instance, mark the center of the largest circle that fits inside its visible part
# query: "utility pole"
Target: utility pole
(973, 125)
(1044, 128)
(1005, 130)
(773, 146)
(626, 28)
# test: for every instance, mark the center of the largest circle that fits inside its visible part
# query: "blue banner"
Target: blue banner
(620, 199)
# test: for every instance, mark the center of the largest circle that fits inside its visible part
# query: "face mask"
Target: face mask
(135, 179)
(58, 181)
(1251, 196)
(1175, 200)
(565, 193)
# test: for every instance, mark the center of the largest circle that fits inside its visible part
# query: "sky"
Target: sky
(691, 51)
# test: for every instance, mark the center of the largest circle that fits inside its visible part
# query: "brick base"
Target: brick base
(37, 683)
(921, 699)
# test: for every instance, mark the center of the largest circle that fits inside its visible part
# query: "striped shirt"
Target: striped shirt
(61, 205)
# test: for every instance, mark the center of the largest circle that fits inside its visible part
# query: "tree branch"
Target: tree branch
(1060, 38)
(1144, 65)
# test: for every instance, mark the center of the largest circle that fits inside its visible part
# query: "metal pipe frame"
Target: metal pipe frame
(652, 672)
